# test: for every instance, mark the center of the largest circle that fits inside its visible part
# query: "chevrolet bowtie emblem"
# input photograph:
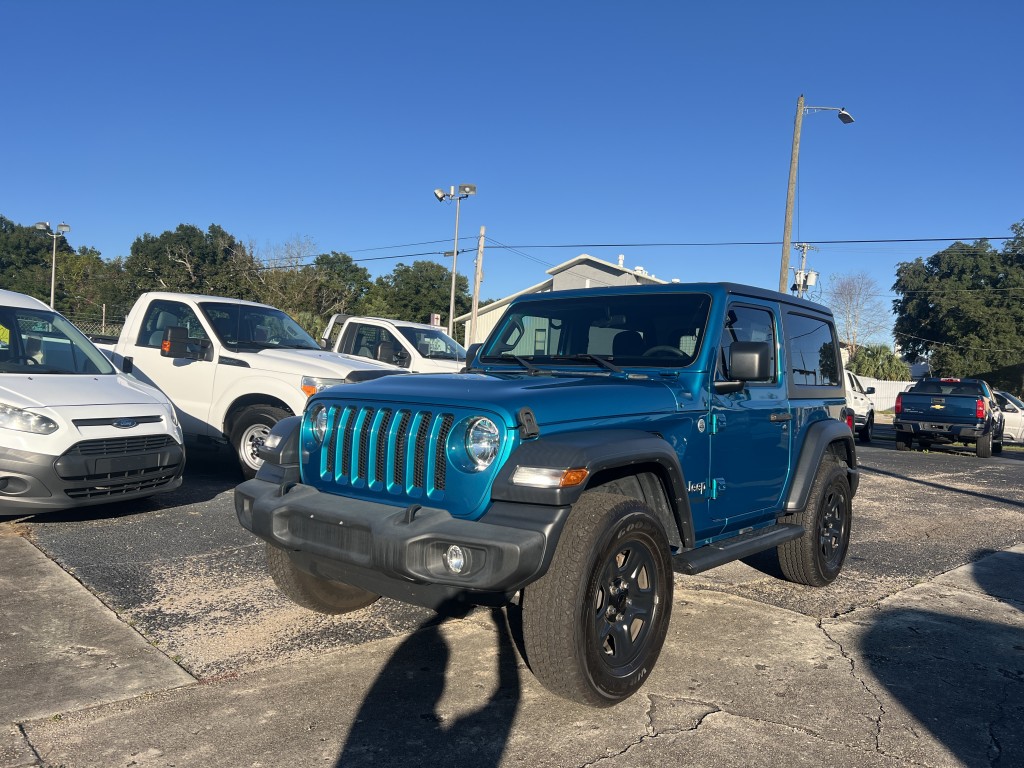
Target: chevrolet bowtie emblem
(937, 406)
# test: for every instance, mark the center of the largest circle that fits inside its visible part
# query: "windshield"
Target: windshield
(433, 343)
(639, 329)
(40, 341)
(247, 326)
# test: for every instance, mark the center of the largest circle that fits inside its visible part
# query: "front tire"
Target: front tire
(594, 624)
(249, 432)
(817, 557)
(312, 592)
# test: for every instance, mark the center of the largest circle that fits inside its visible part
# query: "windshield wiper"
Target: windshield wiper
(530, 368)
(601, 361)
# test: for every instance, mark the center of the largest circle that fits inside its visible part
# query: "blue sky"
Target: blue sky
(606, 127)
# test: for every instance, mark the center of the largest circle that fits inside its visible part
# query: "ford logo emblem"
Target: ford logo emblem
(124, 423)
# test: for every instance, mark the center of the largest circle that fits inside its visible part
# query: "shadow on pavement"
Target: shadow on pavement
(941, 487)
(960, 678)
(401, 723)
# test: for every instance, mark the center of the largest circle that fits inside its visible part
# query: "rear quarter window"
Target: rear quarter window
(813, 366)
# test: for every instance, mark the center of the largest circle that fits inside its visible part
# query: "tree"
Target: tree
(962, 308)
(26, 254)
(414, 293)
(860, 315)
(190, 261)
(878, 362)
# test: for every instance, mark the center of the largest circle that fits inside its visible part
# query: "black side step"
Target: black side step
(725, 551)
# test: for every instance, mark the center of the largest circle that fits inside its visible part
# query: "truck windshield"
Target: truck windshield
(662, 330)
(42, 342)
(249, 326)
(433, 343)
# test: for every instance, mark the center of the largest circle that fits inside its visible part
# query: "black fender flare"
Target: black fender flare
(820, 438)
(600, 452)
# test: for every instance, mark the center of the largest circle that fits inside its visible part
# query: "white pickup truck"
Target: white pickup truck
(232, 368)
(73, 430)
(418, 347)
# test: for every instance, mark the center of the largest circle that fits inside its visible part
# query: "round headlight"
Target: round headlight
(482, 442)
(318, 421)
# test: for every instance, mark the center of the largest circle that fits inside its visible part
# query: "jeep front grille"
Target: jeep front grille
(398, 449)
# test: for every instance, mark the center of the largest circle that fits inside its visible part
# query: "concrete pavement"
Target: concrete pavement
(931, 676)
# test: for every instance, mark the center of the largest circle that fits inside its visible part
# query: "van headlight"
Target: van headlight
(25, 421)
(481, 442)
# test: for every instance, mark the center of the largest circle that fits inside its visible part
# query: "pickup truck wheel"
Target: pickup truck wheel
(594, 624)
(865, 431)
(903, 441)
(249, 432)
(817, 557)
(984, 446)
(312, 592)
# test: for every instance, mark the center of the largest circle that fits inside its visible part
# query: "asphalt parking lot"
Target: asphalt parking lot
(756, 670)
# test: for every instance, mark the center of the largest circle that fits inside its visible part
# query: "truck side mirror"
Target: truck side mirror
(471, 353)
(403, 358)
(175, 343)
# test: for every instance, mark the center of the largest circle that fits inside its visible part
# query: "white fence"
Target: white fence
(884, 397)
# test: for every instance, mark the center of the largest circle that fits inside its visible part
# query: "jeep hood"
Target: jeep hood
(55, 390)
(553, 399)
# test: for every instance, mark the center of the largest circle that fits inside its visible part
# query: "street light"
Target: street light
(464, 191)
(846, 118)
(62, 228)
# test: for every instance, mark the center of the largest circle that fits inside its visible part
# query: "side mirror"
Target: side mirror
(175, 343)
(869, 391)
(471, 354)
(127, 364)
(403, 358)
(748, 361)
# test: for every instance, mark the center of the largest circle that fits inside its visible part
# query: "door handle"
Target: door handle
(779, 417)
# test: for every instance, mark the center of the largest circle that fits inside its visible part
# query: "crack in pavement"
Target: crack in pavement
(879, 724)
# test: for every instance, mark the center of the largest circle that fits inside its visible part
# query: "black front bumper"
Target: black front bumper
(400, 553)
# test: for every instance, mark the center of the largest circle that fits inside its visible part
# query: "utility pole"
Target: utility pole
(477, 279)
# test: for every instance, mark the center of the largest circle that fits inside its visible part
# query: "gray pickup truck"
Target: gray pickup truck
(949, 411)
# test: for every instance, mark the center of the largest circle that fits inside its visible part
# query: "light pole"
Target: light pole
(846, 118)
(465, 190)
(61, 229)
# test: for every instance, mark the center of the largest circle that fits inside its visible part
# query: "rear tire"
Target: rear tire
(817, 557)
(312, 592)
(594, 624)
(903, 441)
(249, 432)
(867, 429)
(984, 446)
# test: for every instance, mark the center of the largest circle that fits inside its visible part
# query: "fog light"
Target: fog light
(455, 559)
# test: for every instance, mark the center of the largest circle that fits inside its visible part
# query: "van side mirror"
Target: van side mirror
(869, 391)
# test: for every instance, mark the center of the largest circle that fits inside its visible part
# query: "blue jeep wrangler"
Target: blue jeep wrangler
(597, 441)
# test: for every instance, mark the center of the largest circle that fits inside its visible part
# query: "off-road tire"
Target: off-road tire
(817, 557)
(248, 433)
(312, 592)
(903, 440)
(594, 624)
(984, 446)
(865, 432)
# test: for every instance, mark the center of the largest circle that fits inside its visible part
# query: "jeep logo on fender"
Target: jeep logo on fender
(124, 423)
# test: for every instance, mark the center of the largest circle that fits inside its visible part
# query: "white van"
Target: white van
(73, 429)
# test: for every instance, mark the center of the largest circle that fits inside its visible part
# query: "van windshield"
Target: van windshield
(43, 342)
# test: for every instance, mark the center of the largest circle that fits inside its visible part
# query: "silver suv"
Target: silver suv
(863, 409)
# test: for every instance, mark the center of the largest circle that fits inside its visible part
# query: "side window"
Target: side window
(813, 352)
(163, 314)
(745, 323)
